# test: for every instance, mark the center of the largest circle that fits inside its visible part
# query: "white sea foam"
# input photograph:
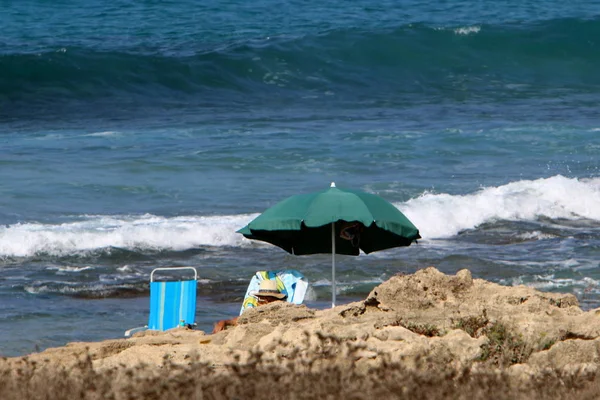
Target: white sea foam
(72, 288)
(444, 215)
(101, 134)
(321, 282)
(146, 232)
(550, 282)
(535, 235)
(436, 216)
(70, 269)
(467, 30)
(567, 264)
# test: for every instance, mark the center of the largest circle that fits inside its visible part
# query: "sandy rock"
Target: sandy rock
(459, 346)
(568, 353)
(426, 317)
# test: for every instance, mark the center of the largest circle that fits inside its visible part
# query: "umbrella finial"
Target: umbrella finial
(332, 184)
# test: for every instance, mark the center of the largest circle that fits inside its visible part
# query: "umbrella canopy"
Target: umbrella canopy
(336, 221)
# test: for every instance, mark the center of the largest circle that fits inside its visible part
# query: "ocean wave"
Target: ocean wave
(412, 58)
(558, 199)
(583, 285)
(95, 291)
(105, 234)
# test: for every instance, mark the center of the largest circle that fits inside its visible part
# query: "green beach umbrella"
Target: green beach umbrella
(336, 221)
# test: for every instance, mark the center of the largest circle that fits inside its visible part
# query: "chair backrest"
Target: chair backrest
(290, 282)
(172, 302)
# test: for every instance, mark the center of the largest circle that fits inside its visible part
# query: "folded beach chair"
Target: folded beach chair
(290, 282)
(172, 303)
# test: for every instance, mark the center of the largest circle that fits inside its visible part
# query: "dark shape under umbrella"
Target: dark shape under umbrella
(335, 220)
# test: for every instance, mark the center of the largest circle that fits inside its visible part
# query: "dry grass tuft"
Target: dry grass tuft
(325, 368)
(472, 325)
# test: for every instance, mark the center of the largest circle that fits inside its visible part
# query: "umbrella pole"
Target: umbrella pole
(332, 264)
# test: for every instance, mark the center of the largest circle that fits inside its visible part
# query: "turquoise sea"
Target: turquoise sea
(137, 134)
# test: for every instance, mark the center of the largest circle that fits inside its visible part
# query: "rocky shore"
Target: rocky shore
(424, 324)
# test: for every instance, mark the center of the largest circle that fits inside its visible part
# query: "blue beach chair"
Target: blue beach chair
(172, 303)
(290, 282)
